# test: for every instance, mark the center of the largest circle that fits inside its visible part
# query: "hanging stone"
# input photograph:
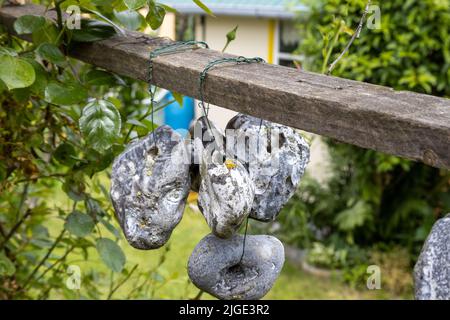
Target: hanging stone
(226, 194)
(215, 266)
(432, 270)
(204, 135)
(149, 186)
(275, 156)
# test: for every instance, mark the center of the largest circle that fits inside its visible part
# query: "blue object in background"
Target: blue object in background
(179, 117)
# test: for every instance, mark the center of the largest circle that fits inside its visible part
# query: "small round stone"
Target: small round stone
(215, 266)
(275, 156)
(225, 196)
(149, 186)
(432, 270)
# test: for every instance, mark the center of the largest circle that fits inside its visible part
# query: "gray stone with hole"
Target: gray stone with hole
(149, 187)
(275, 156)
(432, 270)
(215, 267)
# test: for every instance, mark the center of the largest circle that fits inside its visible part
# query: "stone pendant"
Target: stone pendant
(225, 196)
(432, 270)
(149, 186)
(275, 156)
(215, 266)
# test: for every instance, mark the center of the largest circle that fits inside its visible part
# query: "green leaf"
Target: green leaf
(100, 124)
(231, 35)
(65, 93)
(155, 16)
(51, 53)
(106, 19)
(130, 19)
(65, 154)
(8, 51)
(7, 268)
(74, 187)
(135, 4)
(136, 123)
(111, 254)
(79, 224)
(99, 78)
(29, 24)
(204, 7)
(92, 30)
(353, 217)
(16, 72)
(111, 228)
(178, 97)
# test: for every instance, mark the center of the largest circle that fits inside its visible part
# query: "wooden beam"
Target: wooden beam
(406, 124)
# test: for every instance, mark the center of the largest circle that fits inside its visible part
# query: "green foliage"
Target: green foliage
(60, 129)
(29, 24)
(130, 19)
(135, 4)
(111, 254)
(79, 224)
(92, 30)
(65, 93)
(410, 51)
(7, 267)
(203, 7)
(155, 16)
(51, 53)
(100, 124)
(16, 72)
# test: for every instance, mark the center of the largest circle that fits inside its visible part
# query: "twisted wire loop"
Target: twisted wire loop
(174, 47)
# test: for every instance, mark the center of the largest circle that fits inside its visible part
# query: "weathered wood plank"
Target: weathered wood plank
(406, 124)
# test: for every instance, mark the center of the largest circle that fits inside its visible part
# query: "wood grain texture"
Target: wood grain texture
(406, 124)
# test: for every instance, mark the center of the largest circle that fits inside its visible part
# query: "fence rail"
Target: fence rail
(406, 124)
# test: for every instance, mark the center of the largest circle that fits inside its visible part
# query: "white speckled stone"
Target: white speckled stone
(432, 270)
(149, 186)
(275, 170)
(215, 267)
(225, 196)
(203, 138)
